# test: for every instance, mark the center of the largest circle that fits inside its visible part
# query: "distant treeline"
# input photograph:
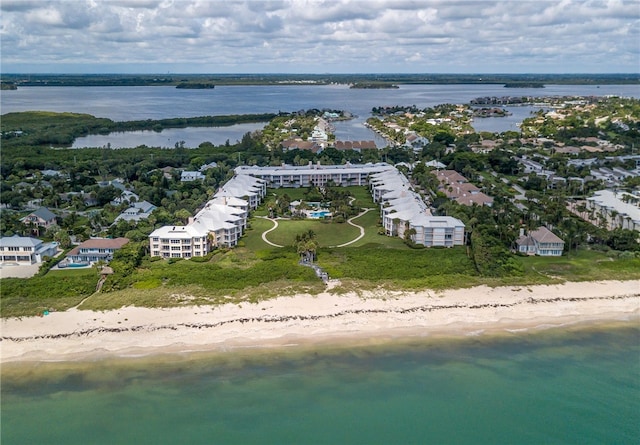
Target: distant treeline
(43, 128)
(189, 80)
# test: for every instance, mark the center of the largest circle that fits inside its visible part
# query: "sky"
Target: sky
(319, 36)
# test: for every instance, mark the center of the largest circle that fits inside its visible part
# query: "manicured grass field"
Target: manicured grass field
(327, 233)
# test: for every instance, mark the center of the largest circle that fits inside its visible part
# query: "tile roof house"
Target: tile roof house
(456, 187)
(542, 242)
(25, 250)
(96, 249)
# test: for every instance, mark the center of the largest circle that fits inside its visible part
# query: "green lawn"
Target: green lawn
(252, 238)
(327, 233)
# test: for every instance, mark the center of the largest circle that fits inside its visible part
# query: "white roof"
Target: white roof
(436, 221)
(612, 200)
(179, 232)
(313, 169)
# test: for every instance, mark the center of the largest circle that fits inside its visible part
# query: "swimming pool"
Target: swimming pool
(319, 214)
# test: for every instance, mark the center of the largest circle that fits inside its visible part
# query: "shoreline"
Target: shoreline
(305, 320)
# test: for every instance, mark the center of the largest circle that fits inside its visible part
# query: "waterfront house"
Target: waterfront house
(25, 250)
(542, 242)
(96, 249)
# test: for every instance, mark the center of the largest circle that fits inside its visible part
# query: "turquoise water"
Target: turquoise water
(320, 214)
(579, 385)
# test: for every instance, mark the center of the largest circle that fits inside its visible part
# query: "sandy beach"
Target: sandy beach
(305, 319)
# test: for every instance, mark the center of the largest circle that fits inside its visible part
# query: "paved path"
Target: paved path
(350, 221)
(264, 234)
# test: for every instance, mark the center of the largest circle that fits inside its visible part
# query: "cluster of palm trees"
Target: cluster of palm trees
(306, 245)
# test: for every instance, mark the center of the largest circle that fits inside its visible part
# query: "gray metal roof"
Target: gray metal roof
(19, 241)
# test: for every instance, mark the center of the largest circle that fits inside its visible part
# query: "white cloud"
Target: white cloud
(324, 35)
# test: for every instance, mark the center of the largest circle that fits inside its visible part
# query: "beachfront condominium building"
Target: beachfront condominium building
(405, 214)
(616, 209)
(314, 174)
(244, 186)
(220, 223)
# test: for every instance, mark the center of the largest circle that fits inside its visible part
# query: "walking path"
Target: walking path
(350, 221)
(264, 234)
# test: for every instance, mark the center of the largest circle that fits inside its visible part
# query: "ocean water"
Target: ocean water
(577, 385)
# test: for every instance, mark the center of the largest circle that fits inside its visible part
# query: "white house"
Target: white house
(96, 249)
(188, 176)
(542, 242)
(137, 211)
(24, 250)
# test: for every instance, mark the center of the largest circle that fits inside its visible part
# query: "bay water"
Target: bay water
(159, 102)
(577, 385)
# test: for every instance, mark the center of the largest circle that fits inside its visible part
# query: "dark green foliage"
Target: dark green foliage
(623, 239)
(492, 259)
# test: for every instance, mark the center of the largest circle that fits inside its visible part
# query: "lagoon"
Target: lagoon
(168, 138)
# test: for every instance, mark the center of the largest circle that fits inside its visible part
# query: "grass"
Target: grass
(327, 233)
(57, 290)
(399, 268)
(586, 265)
(236, 276)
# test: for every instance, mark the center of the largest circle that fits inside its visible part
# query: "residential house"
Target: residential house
(95, 249)
(542, 242)
(41, 218)
(299, 144)
(137, 211)
(25, 250)
(456, 187)
(126, 196)
(188, 176)
(205, 167)
(416, 142)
